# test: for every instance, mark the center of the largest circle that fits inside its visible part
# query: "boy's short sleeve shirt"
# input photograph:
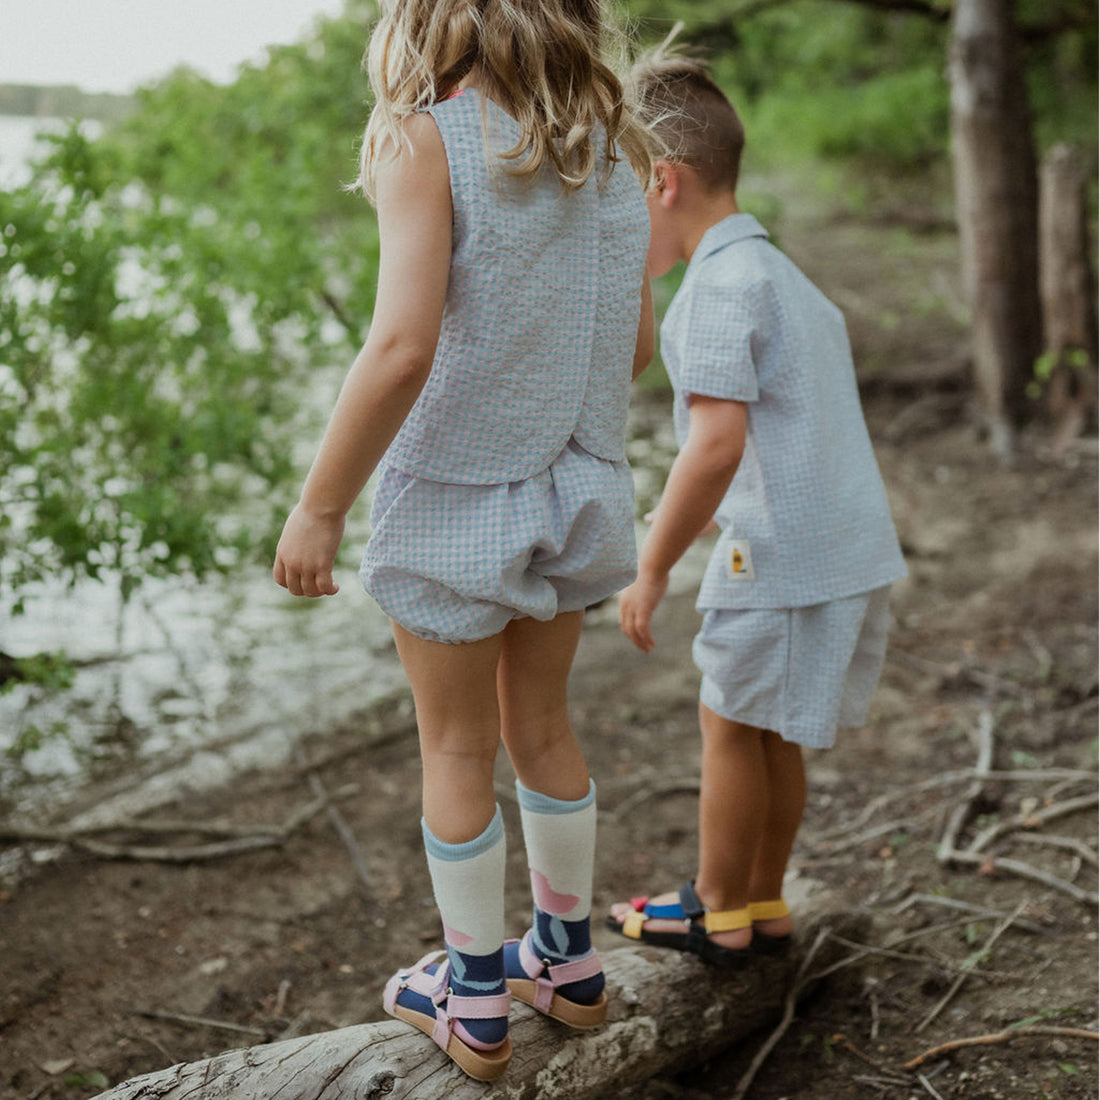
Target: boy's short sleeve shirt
(806, 519)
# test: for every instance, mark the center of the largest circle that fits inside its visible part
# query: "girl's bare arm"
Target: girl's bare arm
(647, 341)
(414, 221)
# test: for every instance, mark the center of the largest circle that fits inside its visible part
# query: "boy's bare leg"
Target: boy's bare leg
(454, 687)
(733, 811)
(535, 660)
(787, 789)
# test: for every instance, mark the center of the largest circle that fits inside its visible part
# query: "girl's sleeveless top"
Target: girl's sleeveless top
(541, 316)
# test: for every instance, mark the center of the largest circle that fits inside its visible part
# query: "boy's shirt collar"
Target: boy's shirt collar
(737, 227)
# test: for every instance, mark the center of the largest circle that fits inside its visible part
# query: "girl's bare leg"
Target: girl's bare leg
(454, 687)
(535, 660)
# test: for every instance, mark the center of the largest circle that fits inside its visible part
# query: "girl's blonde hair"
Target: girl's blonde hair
(541, 60)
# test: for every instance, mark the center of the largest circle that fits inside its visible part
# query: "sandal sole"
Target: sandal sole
(482, 1065)
(561, 1008)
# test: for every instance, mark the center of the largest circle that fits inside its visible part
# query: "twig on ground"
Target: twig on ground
(843, 1041)
(685, 785)
(962, 812)
(1032, 820)
(1069, 843)
(297, 1026)
(967, 970)
(198, 1021)
(1005, 1036)
(241, 838)
(928, 1087)
(902, 825)
(966, 906)
(992, 864)
(946, 779)
(789, 1007)
(988, 681)
(343, 830)
(864, 949)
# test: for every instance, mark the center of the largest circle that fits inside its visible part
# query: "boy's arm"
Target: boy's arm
(414, 222)
(696, 485)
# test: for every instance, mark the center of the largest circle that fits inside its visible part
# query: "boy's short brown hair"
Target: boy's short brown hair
(691, 117)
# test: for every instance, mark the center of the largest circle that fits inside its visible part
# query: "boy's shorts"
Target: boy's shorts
(800, 671)
(456, 563)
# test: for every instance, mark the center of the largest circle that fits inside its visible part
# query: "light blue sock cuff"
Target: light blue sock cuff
(454, 853)
(543, 804)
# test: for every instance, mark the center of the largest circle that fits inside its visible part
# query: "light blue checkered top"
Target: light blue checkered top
(807, 513)
(541, 316)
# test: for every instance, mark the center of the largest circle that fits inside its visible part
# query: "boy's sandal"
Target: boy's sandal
(450, 1009)
(696, 936)
(539, 988)
(769, 910)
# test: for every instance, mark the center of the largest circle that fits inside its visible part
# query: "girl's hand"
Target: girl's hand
(307, 553)
(636, 606)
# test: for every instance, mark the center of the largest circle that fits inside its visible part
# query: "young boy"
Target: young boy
(794, 597)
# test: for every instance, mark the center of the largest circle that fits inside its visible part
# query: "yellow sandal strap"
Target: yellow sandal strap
(632, 925)
(726, 920)
(768, 910)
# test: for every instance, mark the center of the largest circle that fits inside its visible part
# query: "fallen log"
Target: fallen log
(668, 1012)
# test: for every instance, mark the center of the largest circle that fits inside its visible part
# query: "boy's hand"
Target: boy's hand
(636, 606)
(307, 553)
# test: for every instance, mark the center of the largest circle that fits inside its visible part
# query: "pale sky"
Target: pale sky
(115, 45)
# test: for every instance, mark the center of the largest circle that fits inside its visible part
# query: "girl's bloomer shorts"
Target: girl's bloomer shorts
(456, 563)
(800, 671)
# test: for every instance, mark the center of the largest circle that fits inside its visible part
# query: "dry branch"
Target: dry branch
(1032, 820)
(1005, 1036)
(965, 973)
(668, 1012)
(973, 792)
(239, 838)
(992, 864)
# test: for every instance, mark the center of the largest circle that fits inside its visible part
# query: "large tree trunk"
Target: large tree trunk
(668, 1012)
(996, 206)
(1068, 294)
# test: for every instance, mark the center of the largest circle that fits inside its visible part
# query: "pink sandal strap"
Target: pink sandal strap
(450, 1008)
(548, 976)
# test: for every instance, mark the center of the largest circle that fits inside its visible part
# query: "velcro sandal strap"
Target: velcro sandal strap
(488, 1007)
(690, 901)
(768, 910)
(632, 926)
(726, 920)
(441, 1030)
(576, 970)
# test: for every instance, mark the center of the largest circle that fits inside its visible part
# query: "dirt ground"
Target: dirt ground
(995, 630)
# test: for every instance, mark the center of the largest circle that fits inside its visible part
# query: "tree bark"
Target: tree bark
(1068, 294)
(996, 194)
(668, 1011)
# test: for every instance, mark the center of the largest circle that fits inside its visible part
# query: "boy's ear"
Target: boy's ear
(667, 175)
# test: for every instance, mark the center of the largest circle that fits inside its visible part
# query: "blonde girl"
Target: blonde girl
(510, 318)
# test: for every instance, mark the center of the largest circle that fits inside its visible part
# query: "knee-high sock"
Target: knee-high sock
(468, 883)
(561, 848)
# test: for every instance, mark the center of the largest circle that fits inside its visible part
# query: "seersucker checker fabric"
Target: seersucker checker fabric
(806, 519)
(506, 493)
(541, 317)
(456, 563)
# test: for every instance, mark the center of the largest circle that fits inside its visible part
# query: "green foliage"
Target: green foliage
(167, 294)
(53, 671)
(846, 80)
